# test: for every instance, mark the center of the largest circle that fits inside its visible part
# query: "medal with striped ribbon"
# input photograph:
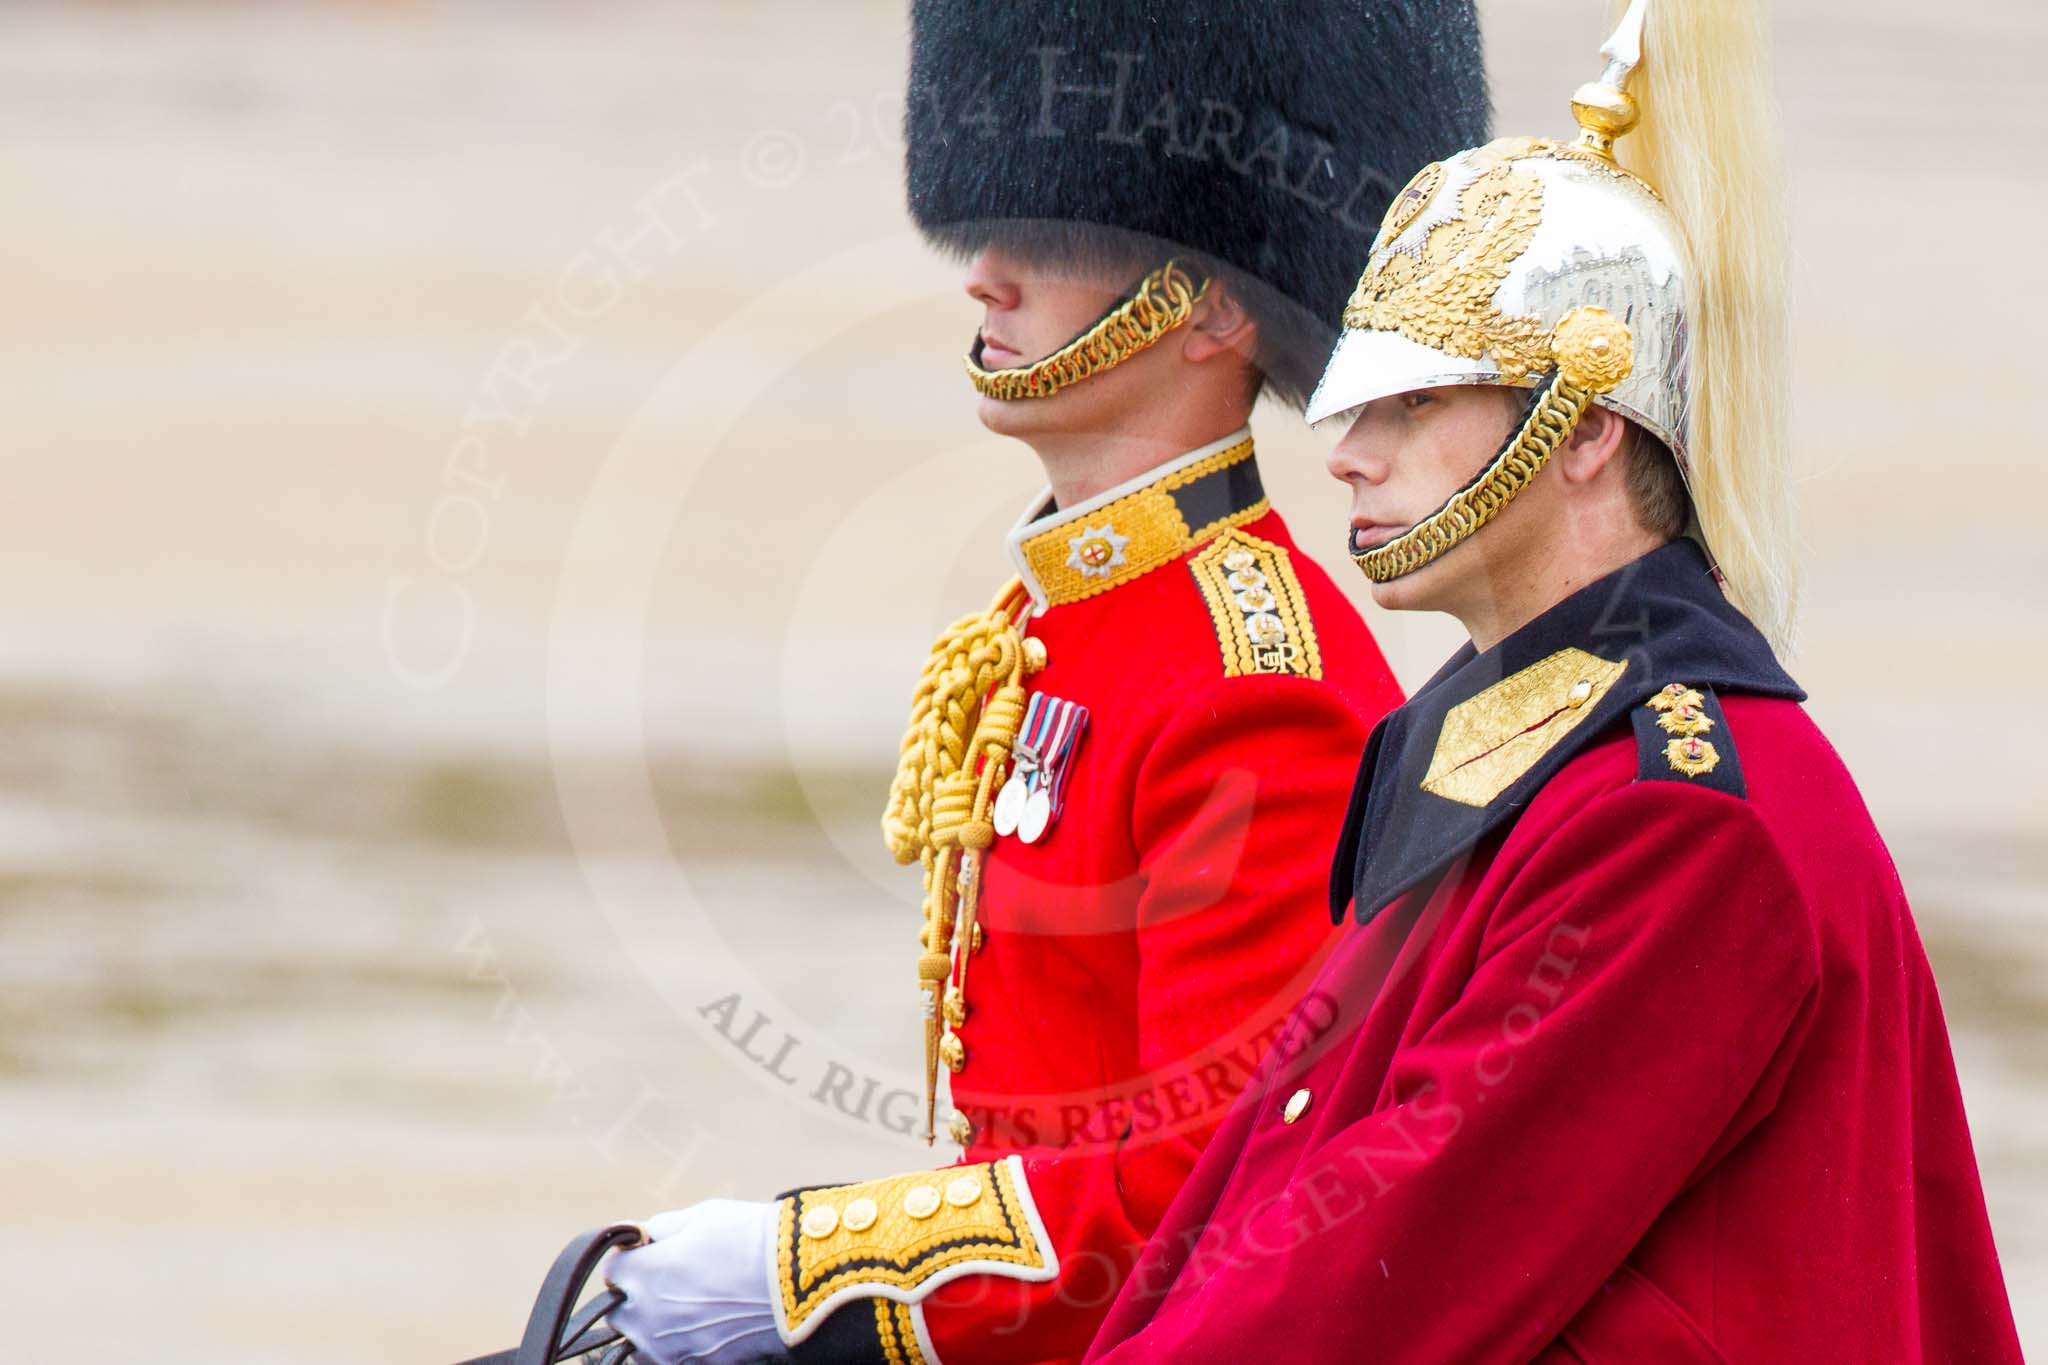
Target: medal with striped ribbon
(1032, 798)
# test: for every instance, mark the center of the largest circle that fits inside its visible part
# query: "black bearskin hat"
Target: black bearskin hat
(1260, 139)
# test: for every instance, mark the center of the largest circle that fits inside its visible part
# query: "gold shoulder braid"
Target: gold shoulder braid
(1163, 300)
(956, 753)
(903, 1236)
(1258, 608)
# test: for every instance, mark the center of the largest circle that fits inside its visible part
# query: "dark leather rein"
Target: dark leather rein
(558, 1330)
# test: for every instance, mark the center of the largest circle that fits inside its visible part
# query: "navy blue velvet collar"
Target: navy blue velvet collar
(1664, 614)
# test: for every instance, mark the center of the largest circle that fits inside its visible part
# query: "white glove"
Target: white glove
(698, 1293)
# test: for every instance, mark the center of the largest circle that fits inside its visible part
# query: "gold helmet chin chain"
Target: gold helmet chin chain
(1594, 353)
(1163, 300)
(956, 753)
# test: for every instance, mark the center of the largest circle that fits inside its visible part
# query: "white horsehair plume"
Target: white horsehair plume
(1708, 141)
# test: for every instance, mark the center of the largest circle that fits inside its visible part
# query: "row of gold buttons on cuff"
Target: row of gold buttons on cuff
(919, 1202)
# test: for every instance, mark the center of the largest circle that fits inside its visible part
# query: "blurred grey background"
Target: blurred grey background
(481, 481)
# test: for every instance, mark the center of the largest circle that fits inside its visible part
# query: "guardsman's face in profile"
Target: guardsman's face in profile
(1029, 311)
(1403, 456)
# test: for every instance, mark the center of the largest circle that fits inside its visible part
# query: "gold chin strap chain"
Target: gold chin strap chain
(1163, 300)
(956, 753)
(1593, 353)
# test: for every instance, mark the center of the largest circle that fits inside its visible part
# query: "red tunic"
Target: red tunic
(1654, 1070)
(1137, 960)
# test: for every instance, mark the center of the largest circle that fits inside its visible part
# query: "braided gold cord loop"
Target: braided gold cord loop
(964, 719)
(952, 807)
(1163, 300)
(1003, 714)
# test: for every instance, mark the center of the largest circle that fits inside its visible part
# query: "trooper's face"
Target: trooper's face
(1403, 456)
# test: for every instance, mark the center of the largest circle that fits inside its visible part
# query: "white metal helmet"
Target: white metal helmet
(1653, 289)
(1529, 230)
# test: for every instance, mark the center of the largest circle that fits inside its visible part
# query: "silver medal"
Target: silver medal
(1010, 805)
(1037, 815)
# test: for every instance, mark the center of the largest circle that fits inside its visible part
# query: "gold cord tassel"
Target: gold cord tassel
(956, 753)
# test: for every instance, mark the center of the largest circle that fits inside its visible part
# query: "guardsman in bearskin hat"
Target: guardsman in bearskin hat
(1123, 780)
(1632, 1052)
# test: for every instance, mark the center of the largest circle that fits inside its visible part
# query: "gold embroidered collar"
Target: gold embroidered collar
(1077, 552)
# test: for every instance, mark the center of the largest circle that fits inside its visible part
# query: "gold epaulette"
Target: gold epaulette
(1260, 613)
(901, 1237)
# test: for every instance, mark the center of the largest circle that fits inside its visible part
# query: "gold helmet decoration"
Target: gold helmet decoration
(1650, 283)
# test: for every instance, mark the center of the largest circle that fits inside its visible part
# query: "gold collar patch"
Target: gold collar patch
(1105, 542)
(1489, 740)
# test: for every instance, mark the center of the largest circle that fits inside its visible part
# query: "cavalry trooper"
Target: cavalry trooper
(1630, 1051)
(1124, 780)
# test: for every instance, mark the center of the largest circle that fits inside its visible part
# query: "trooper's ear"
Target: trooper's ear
(1599, 438)
(1220, 324)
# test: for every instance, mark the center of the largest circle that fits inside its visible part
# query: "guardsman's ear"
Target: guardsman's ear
(1600, 436)
(1220, 325)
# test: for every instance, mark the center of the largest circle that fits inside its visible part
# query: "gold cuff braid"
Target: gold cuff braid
(896, 1331)
(902, 1236)
(1163, 300)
